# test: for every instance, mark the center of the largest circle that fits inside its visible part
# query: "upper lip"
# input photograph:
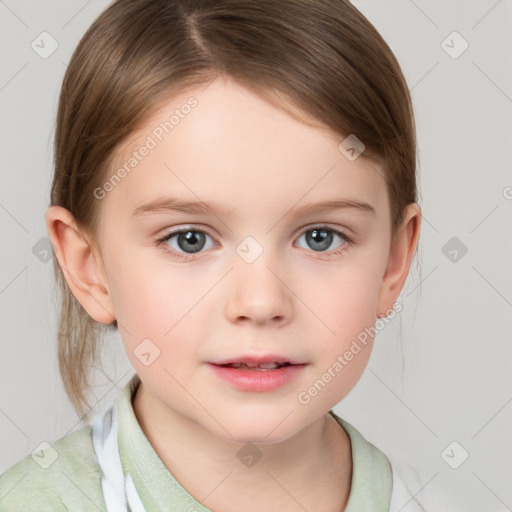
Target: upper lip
(255, 359)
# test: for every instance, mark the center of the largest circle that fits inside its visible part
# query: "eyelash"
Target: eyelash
(180, 256)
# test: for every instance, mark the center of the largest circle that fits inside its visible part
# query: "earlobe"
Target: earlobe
(81, 264)
(401, 254)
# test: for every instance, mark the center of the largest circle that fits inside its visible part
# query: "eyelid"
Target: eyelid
(173, 232)
(186, 227)
(345, 230)
(341, 231)
(300, 231)
(186, 257)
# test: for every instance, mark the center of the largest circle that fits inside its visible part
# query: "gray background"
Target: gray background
(439, 373)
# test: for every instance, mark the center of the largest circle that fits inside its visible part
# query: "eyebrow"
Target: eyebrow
(170, 204)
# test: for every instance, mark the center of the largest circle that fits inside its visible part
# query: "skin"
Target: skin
(261, 164)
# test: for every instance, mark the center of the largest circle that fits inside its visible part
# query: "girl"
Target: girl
(278, 137)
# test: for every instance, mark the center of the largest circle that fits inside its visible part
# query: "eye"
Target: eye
(184, 242)
(320, 238)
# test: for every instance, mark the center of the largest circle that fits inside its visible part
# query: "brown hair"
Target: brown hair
(323, 56)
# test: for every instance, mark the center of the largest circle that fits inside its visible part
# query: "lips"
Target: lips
(257, 373)
(252, 366)
(267, 361)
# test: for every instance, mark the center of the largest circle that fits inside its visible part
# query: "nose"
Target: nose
(258, 294)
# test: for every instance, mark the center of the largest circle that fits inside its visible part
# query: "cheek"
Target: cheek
(157, 301)
(348, 308)
(146, 294)
(342, 355)
(349, 299)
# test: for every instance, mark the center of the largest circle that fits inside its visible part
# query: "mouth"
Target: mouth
(254, 366)
(257, 362)
(257, 373)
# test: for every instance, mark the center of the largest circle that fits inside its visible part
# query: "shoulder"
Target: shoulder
(62, 476)
(366, 455)
(398, 482)
(371, 473)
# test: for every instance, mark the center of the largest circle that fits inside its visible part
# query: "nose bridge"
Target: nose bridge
(257, 292)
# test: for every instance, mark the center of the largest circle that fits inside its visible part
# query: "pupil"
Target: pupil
(321, 237)
(189, 239)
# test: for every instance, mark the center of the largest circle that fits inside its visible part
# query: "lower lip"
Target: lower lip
(257, 380)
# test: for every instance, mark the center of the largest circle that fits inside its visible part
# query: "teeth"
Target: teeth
(263, 366)
(269, 365)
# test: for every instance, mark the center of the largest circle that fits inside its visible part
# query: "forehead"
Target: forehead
(221, 141)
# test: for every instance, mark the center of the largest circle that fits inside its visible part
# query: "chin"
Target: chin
(256, 436)
(256, 427)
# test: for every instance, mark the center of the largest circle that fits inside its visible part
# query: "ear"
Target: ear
(81, 264)
(401, 253)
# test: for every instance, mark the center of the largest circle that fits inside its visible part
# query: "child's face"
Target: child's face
(253, 280)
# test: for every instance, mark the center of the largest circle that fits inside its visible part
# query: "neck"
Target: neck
(283, 476)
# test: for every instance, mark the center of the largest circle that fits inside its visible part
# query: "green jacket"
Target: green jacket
(66, 476)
